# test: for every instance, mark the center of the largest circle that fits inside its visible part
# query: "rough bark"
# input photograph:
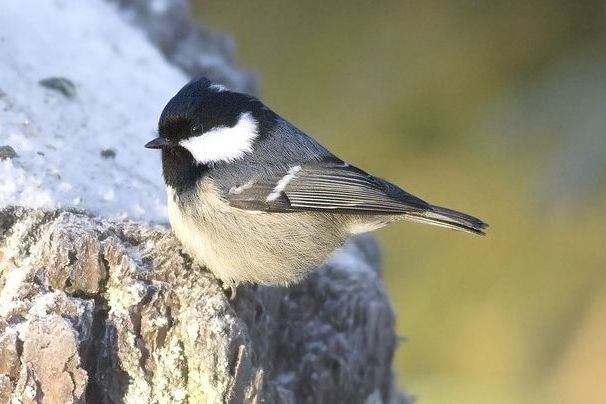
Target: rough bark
(98, 310)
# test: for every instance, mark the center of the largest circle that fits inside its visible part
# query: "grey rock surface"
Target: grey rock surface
(96, 310)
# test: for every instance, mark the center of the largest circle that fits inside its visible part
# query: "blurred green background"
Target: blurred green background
(494, 108)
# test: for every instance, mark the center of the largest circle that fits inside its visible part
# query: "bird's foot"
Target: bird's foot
(233, 292)
(230, 289)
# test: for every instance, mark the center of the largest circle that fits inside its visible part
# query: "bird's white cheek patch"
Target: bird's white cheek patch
(224, 143)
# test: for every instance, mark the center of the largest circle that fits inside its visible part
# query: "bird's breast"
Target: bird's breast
(242, 246)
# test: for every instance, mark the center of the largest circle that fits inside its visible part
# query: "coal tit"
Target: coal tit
(257, 200)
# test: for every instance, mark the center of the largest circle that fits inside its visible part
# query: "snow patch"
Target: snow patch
(121, 83)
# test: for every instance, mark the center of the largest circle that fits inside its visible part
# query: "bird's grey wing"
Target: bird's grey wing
(324, 185)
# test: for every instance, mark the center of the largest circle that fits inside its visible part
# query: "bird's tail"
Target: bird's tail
(448, 218)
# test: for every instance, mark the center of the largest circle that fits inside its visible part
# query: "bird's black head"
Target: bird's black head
(205, 124)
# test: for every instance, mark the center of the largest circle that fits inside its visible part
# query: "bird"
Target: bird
(256, 200)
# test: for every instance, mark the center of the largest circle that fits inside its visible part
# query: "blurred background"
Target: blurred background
(494, 108)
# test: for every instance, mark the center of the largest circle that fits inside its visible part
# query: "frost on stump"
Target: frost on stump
(99, 305)
(112, 311)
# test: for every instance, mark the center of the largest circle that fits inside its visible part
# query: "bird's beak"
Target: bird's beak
(159, 143)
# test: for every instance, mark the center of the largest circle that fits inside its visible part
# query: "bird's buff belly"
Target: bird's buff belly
(242, 246)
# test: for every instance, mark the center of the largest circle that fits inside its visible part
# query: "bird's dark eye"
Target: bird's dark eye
(196, 129)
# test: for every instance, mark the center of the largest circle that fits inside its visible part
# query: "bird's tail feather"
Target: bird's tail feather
(448, 218)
